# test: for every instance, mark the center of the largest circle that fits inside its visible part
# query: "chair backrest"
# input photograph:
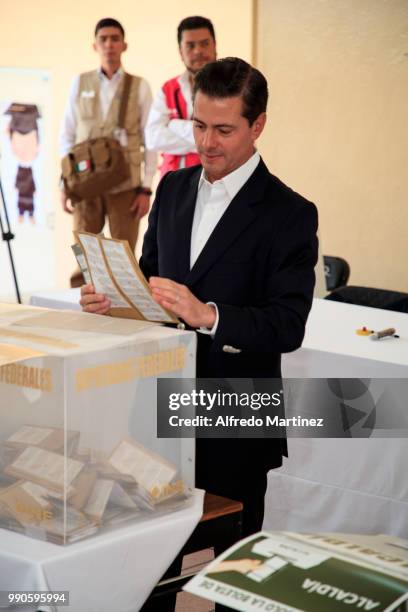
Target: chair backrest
(336, 271)
(371, 296)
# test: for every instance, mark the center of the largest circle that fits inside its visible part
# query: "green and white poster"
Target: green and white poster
(287, 572)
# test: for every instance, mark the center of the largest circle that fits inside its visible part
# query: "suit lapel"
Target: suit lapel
(183, 222)
(240, 213)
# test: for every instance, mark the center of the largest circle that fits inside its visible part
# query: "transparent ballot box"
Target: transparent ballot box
(78, 447)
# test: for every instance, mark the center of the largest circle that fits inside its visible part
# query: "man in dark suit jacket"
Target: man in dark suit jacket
(231, 250)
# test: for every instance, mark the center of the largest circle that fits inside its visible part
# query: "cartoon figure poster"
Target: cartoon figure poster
(25, 146)
(26, 179)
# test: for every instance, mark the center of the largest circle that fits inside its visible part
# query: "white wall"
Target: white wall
(338, 129)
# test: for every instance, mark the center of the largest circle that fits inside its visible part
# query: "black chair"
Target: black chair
(370, 296)
(336, 271)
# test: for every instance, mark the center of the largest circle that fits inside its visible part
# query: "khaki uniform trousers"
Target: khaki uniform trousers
(89, 216)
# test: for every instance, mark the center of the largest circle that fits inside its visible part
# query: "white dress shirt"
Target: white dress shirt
(174, 136)
(107, 91)
(212, 201)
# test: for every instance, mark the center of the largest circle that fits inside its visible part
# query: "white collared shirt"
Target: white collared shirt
(107, 91)
(212, 201)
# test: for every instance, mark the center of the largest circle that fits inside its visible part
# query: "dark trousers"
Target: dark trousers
(230, 468)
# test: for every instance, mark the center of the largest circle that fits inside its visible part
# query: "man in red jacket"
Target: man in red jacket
(169, 127)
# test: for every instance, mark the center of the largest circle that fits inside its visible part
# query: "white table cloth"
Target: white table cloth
(331, 347)
(349, 485)
(111, 571)
(63, 298)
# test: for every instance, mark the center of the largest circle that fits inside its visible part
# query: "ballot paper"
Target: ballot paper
(49, 438)
(99, 498)
(99, 271)
(150, 471)
(66, 525)
(104, 492)
(115, 273)
(80, 257)
(47, 493)
(24, 502)
(39, 493)
(43, 467)
(82, 487)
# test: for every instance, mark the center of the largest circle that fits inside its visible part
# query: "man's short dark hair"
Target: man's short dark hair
(109, 22)
(194, 23)
(231, 77)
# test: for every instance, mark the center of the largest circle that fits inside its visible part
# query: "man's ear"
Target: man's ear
(124, 46)
(258, 125)
(94, 46)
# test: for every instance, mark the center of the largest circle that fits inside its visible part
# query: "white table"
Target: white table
(111, 571)
(63, 298)
(349, 485)
(331, 347)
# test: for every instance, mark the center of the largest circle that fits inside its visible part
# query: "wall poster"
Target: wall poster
(26, 176)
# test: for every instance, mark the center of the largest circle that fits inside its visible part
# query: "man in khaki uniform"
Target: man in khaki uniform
(93, 111)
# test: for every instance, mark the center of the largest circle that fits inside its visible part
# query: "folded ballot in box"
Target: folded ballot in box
(78, 446)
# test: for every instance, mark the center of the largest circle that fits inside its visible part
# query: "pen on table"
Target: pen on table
(384, 333)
